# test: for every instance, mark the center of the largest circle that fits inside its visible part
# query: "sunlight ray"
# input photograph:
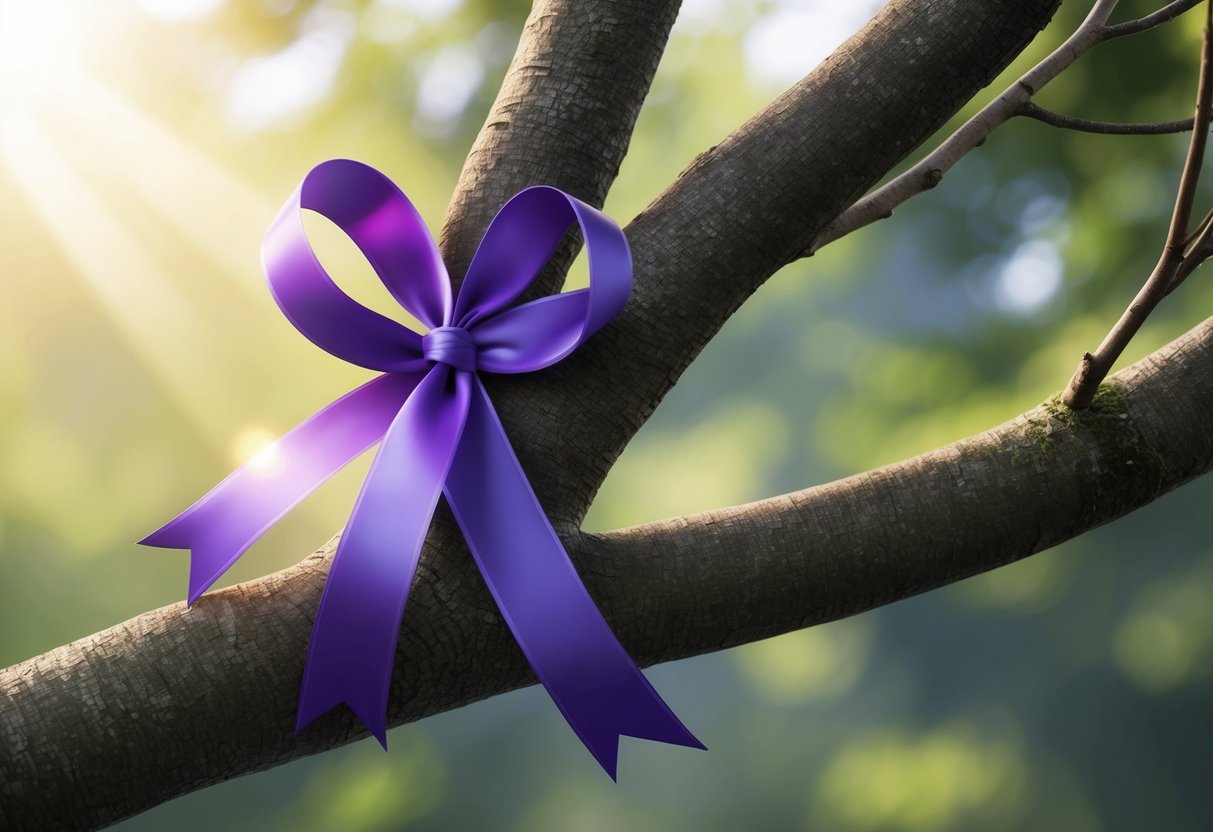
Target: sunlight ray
(148, 310)
(213, 208)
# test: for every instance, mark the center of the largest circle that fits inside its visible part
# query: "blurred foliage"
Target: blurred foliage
(143, 150)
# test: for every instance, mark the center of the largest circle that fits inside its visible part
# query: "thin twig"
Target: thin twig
(1176, 254)
(930, 170)
(1199, 231)
(1142, 24)
(1197, 248)
(1106, 128)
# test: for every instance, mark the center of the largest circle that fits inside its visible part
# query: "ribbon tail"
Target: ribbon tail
(353, 644)
(231, 516)
(587, 672)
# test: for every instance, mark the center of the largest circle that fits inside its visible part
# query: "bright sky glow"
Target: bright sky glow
(446, 87)
(431, 10)
(1030, 279)
(39, 41)
(178, 10)
(695, 16)
(269, 89)
(786, 43)
(28, 32)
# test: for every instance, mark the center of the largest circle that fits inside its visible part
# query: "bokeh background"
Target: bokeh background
(146, 144)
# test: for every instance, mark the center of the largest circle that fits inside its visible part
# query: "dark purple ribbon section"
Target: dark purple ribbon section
(440, 434)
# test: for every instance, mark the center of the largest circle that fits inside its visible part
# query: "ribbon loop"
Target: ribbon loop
(390, 233)
(387, 229)
(440, 435)
(517, 244)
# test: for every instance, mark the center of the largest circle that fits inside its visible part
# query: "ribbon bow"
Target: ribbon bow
(440, 434)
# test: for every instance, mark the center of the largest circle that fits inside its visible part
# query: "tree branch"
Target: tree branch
(748, 206)
(670, 589)
(757, 570)
(178, 699)
(563, 116)
(1094, 367)
(1106, 128)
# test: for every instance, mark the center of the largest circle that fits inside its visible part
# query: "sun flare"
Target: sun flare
(257, 448)
(66, 129)
(39, 43)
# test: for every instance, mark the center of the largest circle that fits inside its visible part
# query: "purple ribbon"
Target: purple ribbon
(440, 434)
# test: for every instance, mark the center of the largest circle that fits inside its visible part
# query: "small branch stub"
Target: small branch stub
(1080, 392)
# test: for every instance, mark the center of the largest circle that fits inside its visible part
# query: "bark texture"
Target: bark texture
(753, 571)
(564, 117)
(178, 698)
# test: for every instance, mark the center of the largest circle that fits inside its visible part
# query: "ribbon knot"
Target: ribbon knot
(450, 345)
(438, 433)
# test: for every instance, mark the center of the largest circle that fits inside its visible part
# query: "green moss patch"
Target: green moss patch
(1127, 467)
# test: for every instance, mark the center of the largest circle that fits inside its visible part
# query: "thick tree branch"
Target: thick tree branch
(93, 711)
(753, 571)
(177, 699)
(563, 116)
(747, 207)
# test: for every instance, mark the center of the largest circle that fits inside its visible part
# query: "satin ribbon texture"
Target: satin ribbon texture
(440, 435)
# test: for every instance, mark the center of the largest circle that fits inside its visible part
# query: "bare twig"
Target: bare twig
(1198, 248)
(928, 172)
(1199, 231)
(1107, 128)
(1015, 100)
(1176, 253)
(1132, 27)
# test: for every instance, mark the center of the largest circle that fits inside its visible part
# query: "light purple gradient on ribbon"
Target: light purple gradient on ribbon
(440, 434)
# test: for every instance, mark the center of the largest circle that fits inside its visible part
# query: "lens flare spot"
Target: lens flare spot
(257, 448)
